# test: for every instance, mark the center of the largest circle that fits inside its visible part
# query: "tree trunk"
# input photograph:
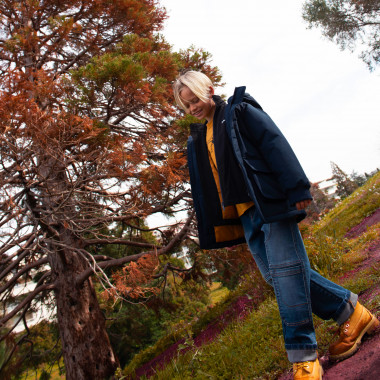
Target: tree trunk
(86, 347)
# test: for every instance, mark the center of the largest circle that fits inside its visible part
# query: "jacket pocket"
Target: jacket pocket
(265, 180)
(257, 165)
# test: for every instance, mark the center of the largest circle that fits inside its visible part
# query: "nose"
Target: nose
(192, 108)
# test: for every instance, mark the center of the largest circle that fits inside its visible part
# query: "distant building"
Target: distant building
(328, 186)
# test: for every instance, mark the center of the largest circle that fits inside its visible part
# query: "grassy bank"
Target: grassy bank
(253, 348)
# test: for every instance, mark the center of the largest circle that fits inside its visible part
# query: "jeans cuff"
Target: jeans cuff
(348, 309)
(306, 355)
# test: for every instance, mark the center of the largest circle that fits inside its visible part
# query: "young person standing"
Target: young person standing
(248, 185)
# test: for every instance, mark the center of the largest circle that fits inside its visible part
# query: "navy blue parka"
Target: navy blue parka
(258, 153)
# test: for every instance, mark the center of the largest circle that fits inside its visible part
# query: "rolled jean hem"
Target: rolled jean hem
(305, 355)
(348, 309)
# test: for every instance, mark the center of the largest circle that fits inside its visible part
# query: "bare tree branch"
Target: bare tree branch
(22, 271)
(124, 260)
(25, 302)
(118, 241)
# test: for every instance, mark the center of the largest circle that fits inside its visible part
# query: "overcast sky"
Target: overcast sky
(324, 100)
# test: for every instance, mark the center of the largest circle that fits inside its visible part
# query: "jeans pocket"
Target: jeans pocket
(290, 285)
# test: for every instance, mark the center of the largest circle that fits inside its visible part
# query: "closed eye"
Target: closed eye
(192, 101)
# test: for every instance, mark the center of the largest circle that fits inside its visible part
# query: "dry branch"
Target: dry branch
(29, 298)
(124, 260)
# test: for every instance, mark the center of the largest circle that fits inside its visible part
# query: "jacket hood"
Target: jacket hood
(241, 96)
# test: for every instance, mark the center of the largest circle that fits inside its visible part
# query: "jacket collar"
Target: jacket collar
(219, 107)
(218, 100)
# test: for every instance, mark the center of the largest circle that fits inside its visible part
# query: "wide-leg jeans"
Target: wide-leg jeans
(281, 257)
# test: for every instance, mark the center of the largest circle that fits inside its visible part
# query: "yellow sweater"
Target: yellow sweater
(229, 212)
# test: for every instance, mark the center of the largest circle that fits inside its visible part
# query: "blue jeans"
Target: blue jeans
(281, 257)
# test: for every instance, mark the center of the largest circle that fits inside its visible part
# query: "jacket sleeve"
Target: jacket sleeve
(276, 152)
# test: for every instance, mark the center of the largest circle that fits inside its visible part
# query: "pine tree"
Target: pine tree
(344, 185)
(86, 141)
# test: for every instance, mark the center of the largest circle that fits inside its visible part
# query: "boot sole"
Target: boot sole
(369, 329)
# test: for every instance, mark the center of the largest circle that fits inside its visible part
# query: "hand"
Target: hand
(303, 204)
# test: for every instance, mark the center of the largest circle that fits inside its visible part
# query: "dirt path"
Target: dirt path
(364, 224)
(364, 365)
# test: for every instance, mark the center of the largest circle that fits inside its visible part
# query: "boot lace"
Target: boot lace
(305, 366)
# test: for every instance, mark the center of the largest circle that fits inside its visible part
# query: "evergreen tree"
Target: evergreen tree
(359, 179)
(86, 141)
(344, 185)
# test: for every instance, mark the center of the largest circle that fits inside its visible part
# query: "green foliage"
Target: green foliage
(231, 276)
(352, 210)
(197, 59)
(45, 371)
(239, 352)
(252, 284)
(346, 22)
(218, 293)
(125, 72)
(186, 301)
(359, 179)
(364, 240)
(9, 366)
(136, 231)
(344, 185)
(134, 326)
(43, 353)
(45, 375)
(325, 242)
(226, 265)
(326, 254)
(131, 328)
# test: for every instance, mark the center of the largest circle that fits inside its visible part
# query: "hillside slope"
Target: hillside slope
(345, 247)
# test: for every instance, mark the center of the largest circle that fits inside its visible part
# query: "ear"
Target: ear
(211, 91)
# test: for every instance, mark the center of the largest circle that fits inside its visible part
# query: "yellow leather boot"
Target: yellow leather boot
(307, 370)
(361, 321)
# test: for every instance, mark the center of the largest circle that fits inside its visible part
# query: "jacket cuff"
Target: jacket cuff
(298, 195)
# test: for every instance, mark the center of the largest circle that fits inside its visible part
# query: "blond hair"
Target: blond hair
(197, 82)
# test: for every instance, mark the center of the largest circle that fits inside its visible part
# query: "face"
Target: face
(195, 106)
